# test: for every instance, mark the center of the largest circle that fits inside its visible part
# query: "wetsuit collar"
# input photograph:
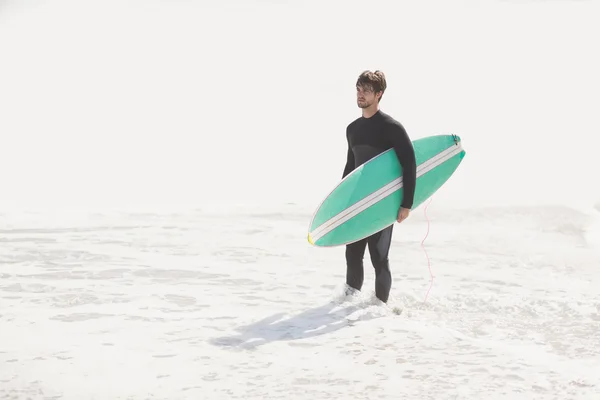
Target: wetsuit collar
(377, 113)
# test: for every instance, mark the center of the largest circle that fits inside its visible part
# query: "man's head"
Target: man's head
(370, 87)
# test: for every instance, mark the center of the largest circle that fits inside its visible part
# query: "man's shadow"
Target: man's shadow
(313, 322)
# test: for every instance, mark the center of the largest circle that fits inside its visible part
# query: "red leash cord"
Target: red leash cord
(423, 241)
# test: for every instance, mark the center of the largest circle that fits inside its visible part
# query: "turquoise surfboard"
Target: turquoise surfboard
(368, 199)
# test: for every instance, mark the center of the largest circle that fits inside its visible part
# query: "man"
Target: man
(369, 135)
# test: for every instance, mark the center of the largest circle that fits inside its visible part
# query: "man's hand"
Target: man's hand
(403, 214)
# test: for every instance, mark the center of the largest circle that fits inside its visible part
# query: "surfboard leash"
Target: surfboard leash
(426, 255)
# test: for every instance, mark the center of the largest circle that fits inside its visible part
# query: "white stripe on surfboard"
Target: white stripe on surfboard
(421, 169)
(382, 193)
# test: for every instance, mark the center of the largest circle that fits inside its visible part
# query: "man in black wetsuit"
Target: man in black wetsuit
(369, 135)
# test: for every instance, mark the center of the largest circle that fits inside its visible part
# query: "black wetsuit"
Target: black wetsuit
(367, 138)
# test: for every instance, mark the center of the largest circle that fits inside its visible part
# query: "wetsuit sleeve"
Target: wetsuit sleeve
(406, 156)
(349, 161)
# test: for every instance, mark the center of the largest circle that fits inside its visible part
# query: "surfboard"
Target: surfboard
(368, 199)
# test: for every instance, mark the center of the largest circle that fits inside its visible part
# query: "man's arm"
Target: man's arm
(349, 163)
(349, 158)
(406, 156)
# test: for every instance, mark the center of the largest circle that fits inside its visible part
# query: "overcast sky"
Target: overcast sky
(163, 102)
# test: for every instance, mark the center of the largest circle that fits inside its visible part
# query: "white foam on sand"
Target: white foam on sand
(201, 305)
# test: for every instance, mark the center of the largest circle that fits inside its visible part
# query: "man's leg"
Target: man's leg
(379, 248)
(354, 263)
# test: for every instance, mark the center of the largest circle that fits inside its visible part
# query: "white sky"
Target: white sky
(160, 102)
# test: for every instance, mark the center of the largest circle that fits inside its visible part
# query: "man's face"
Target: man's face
(365, 96)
